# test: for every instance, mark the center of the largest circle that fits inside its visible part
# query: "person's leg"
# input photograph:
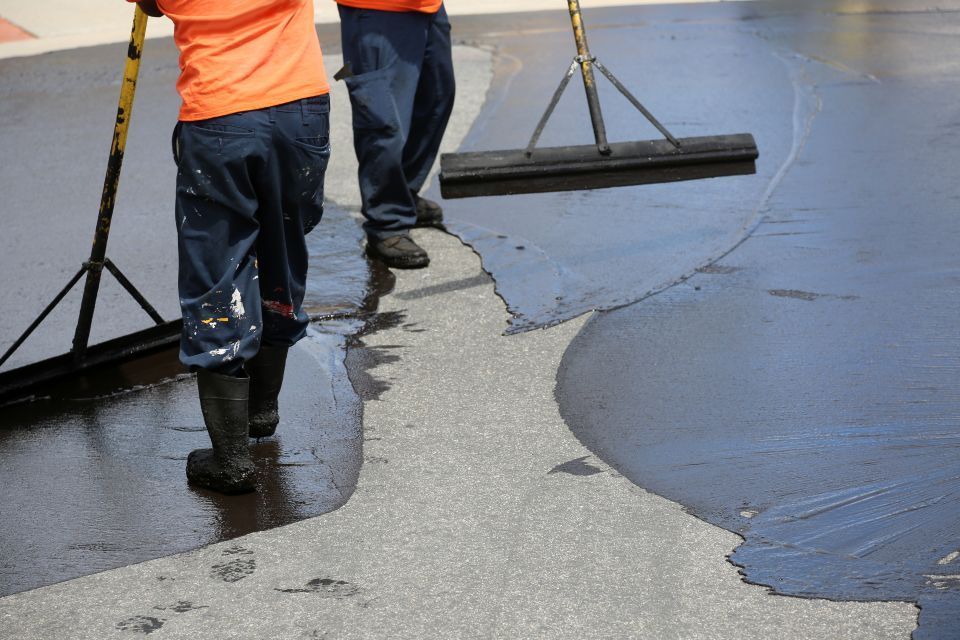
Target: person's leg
(291, 205)
(227, 466)
(432, 106)
(217, 229)
(383, 51)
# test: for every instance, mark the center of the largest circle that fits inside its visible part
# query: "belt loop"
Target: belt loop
(303, 111)
(273, 114)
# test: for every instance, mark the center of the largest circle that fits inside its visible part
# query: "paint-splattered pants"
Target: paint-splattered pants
(401, 95)
(249, 187)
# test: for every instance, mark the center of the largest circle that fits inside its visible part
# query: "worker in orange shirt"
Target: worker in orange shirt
(398, 69)
(251, 146)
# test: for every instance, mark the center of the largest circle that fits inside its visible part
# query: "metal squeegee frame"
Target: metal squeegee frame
(586, 62)
(93, 267)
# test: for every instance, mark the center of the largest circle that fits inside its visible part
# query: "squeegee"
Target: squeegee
(604, 164)
(83, 358)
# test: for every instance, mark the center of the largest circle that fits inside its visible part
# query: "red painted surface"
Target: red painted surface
(10, 32)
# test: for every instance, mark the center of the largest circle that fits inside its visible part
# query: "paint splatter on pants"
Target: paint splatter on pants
(401, 95)
(249, 188)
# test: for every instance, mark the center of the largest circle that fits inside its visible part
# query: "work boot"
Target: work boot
(226, 467)
(429, 213)
(399, 252)
(266, 376)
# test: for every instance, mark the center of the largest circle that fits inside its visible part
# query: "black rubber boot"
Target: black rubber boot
(226, 467)
(429, 213)
(266, 377)
(399, 252)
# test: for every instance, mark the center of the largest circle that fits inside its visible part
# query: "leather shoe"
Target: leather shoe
(399, 252)
(429, 213)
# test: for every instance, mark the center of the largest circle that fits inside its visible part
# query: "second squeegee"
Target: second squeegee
(532, 170)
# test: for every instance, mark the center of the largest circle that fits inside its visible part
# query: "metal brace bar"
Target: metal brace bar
(132, 290)
(636, 103)
(44, 314)
(553, 105)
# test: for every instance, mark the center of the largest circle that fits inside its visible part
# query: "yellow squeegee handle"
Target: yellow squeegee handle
(111, 182)
(589, 82)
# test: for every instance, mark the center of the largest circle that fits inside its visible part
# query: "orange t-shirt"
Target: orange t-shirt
(244, 54)
(424, 6)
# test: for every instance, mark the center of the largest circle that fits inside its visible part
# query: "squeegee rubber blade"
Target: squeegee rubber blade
(34, 379)
(576, 168)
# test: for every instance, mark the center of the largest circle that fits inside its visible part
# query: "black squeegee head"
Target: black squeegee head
(492, 173)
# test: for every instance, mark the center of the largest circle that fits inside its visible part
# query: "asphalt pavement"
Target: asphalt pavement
(485, 507)
(477, 514)
(802, 390)
(98, 475)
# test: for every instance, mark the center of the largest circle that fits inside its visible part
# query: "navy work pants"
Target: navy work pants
(401, 93)
(249, 187)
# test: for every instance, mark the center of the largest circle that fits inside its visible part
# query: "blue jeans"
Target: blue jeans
(401, 94)
(249, 188)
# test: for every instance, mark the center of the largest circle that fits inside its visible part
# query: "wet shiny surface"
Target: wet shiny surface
(95, 483)
(91, 484)
(804, 395)
(803, 391)
(555, 256)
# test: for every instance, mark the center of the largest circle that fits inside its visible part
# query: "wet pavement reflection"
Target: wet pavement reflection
(556, 256)
(97, 481)
(803, 391)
